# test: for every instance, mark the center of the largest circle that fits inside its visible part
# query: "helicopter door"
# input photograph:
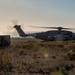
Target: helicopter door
(70, 35)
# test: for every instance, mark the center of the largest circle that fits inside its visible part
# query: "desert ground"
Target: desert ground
(25, 57)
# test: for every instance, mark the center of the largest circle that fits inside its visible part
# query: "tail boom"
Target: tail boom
(20, 31)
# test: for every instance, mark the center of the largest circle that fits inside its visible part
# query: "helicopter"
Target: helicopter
(61, 34)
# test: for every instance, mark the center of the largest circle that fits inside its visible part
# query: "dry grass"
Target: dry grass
(5, 62)
(37, 57)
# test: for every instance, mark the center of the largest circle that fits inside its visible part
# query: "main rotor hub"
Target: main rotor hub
(59, 28)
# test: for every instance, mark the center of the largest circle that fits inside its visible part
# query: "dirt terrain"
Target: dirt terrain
(38, 58)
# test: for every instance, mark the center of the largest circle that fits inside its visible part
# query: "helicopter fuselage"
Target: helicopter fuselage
(54, 35)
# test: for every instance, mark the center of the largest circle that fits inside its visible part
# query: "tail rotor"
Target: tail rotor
(12, 28)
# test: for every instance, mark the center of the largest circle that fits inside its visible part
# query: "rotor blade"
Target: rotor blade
(15, 22)
(14, 33)
(44, 27)
(69, 28)
(9, 27)
(52, 27)
(22, 26)
(65, 28)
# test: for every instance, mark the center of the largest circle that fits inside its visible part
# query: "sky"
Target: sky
(36, 13)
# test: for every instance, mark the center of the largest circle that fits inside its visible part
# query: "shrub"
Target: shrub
(5, 62)
(71, 55)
